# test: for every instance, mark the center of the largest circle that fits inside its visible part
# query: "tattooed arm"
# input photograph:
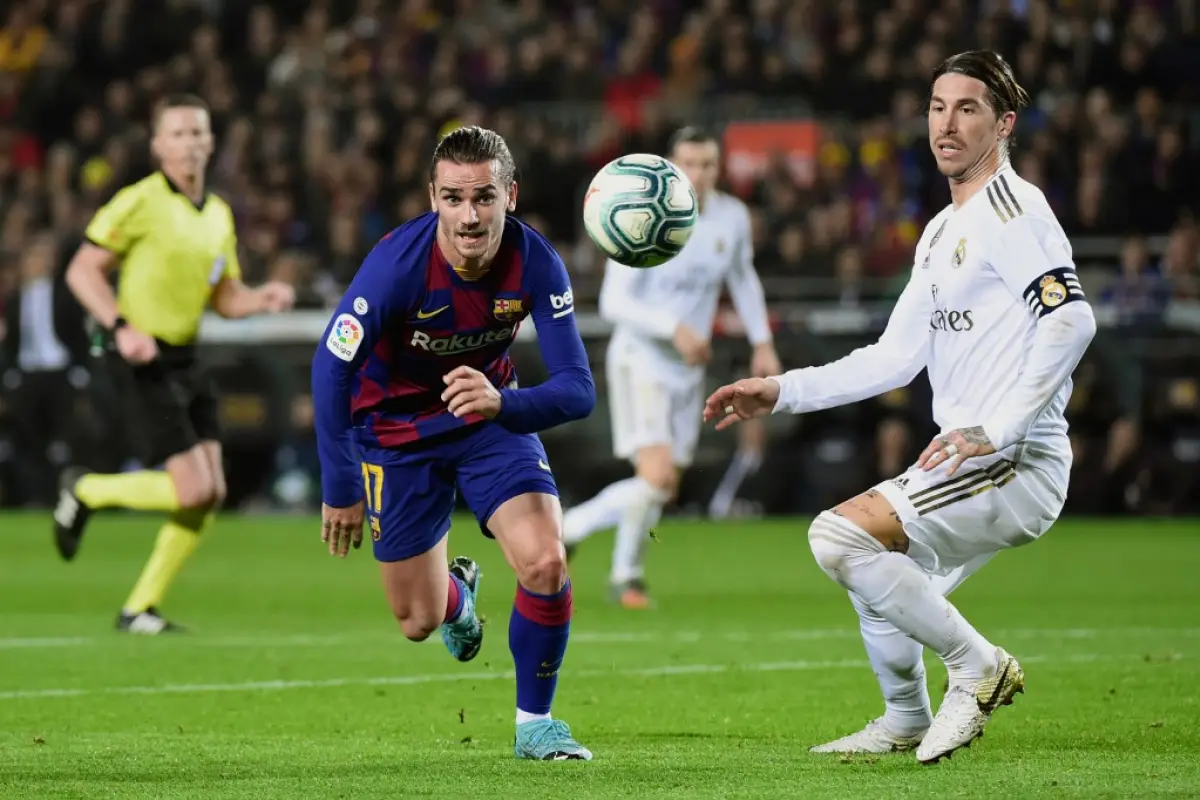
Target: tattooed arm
(957, 445)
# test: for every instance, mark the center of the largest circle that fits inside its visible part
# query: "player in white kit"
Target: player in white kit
(994, 310)
(662, 321)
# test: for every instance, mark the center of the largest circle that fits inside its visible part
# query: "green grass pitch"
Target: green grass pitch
(295, 682)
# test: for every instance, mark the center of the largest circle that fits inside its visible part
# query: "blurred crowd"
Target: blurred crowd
(326, 112)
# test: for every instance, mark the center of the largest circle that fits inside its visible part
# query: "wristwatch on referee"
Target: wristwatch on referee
(118, 323)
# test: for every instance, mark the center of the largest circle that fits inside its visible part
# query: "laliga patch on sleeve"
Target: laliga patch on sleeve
(344, 337)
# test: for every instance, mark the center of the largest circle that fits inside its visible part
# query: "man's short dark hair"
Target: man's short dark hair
(990, 69)
(475, 145)
(177, 100)
(691, 134)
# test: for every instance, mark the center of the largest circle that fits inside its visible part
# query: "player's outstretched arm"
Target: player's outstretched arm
(569, 392)
(373, 298)
(745, 399)
(891, 362)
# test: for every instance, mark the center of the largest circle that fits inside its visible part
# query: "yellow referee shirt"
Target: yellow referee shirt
(172, 254)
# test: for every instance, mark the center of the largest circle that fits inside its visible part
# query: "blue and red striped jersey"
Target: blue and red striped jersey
(407, 319)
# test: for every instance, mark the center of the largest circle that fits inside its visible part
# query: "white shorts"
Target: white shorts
(647, 410)
(990, 504)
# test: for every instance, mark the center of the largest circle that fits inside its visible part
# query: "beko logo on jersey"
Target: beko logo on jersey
(461, 342)
(562, 304)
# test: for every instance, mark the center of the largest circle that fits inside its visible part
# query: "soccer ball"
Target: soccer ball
(640, 209)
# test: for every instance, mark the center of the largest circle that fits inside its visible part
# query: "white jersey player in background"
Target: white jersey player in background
(993, 309)
(662, 321)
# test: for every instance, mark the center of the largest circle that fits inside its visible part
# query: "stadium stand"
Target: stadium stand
(326, 113)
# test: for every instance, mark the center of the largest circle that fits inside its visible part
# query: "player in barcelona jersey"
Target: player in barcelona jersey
(995, 312)
(416, 399)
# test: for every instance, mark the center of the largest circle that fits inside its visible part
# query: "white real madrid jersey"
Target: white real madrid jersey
(984, 274)
(646, 305)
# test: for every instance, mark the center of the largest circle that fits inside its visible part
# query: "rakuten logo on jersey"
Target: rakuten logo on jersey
(563, 304)
(951, 321)
(461, 342)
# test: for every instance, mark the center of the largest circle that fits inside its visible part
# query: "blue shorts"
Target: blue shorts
(411, 492)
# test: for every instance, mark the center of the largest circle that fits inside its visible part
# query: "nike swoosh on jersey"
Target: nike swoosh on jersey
(543, 465)
(427, 314)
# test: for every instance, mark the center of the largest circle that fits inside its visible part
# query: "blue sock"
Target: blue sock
(537, 635)
(456, 598)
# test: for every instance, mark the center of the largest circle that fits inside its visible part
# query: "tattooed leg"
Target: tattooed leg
(872, 512)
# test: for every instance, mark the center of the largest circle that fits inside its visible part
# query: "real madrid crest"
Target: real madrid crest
(960, 253)
(720, 246)
(1053, 292)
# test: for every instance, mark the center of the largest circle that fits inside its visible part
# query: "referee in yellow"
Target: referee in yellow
(176, 248)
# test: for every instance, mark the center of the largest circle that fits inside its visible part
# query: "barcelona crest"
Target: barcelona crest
(508, 309)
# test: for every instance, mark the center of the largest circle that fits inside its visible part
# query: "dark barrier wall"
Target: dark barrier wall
(1135, 421)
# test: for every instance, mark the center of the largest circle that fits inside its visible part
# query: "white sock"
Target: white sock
(602, 511)
(896, 660)
(525, 716)
(900, 592)
(640, 515)
(744, 464)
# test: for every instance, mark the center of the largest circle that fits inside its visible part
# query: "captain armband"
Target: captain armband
(1054, 289)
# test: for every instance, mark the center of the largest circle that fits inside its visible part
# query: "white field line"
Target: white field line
(459, 677)
(269, 640)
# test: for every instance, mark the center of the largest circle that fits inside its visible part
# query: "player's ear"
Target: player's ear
(1007, 122)
(512, 197)
(432, 198)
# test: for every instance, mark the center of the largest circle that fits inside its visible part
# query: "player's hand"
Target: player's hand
(764, 361)
(342, 527)
(276, 297)
(955, 446)
(746, 399)
(694, 348)
(468, 391)
(134, 346)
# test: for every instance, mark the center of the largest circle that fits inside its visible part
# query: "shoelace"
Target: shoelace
(463, 628)
(555, 733)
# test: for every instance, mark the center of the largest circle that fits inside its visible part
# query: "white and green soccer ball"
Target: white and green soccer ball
(640, 209)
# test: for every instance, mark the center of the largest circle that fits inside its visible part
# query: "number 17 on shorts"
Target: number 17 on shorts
(372, 475)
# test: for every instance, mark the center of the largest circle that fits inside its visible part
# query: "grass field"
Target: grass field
(295, 682)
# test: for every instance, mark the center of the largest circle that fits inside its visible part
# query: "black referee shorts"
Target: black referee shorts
(174, 405)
